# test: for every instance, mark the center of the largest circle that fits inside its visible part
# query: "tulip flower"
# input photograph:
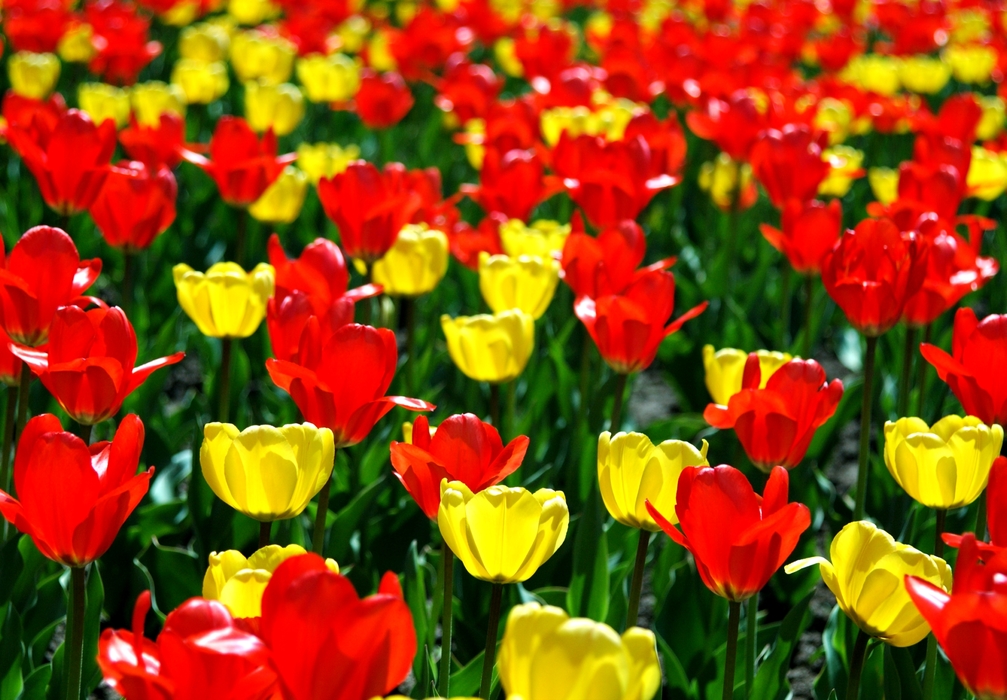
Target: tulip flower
(100, 102)
(488, 348)
(789, 164)
(996, 515)
(276, 108)
(74, 498)
(33, 75)
(382, 100)
(226, 301)
(321, 161)
(329, 644)
(204, 42)
(733, 123)
(415, 264)
(121, 41)
(512, 183)
(264, 472)
(777, 422)
(239, 583)
(201, 82)
(604, 265)
(729, 182)
(282, 201)
(809, 231)
(540, 239)
(136, 205)
(546, 655)
(258, 54)
(974, 369)
(987, 176)
(725, 370)
(525, 283)
(844, 167)
(155, 144)
(333, 78)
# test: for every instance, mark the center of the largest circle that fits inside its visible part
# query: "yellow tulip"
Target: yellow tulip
(201, 83)
(415, 264)
(501, 534)
(632, 470)
(844, 163)
(277, 107)
(352, 34)
(334, 78)
(205, 42)
(884, 184)
(239, 583)
(321, 161)
(944, 466)
(379, 53)
(575, 121)
(720, 179)
(725, 369)
(258, 56)
(873, 73)
(475, 135)
(992, 121)
(252, 12)
(152, 99)
(971, 64)
(923, 74)
(866, 575)
(282, 201)
(181, 14)
(987, 178)
(226, 302)
(547, 655)
(526, 283)
(506, 57)
(101, 102)
(490, 348)
(264, 472)
(835, 117)
(77, 45)
(33, 75)
(541, 239)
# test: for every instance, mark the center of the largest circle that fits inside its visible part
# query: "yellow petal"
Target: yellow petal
(217, 440)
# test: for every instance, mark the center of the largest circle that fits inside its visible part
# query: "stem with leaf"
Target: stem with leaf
(857, 665)
(447, 588)
(492, 630)
(636, 587)
(75, 633)
(930, 673)
(731, 659)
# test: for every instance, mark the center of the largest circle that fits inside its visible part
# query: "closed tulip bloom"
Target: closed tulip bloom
(136, 205)
(320, 161)
(42, 273)
(488, 348)
(333, 78)
(987, 176)
(729, 183)
(512, 182)
(205, 42)
(33, 75)
(923, 74)
(463, 448)
(226, 301)
(239, 583)
(101, 102)
(382, 100)
(547, 655)
(789, 163)
(276, 107)
(264, 472)
(77, 44)
(632, 471)
(844, 167)
(598, 266)
(282, 201)
(884, 184)
(866, 575)
(523, 283)
(200, 82)
(259, 55)
(502, 535)
(415, 264)
(808, 231)
(994, 116)
(73, 498)
(252, 12)
(725, 370)
(540, 239)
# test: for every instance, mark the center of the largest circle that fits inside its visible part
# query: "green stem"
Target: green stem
(785, 306)
(930, 672)
(75, 633)
(921, 376)
(585, 378)
(22, 399)
(809, 303)
(84, 432)
(495, 406)
(225, 380)
(620, 389)
(128, 272)
(636, 587)
(908, 352)
(857, 665)
(318, 536)
(8, 438)
(409, 308)
(751, 642)
(980, 528)
(240, 235)
(731, 659)
(447, 588)
(865, 428)
(510, 412)
(489, 660)
(264, 529)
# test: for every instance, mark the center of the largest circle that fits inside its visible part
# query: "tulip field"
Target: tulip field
(513, 349)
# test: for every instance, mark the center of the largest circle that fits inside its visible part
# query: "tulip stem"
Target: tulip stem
(636, 587)
(495, 406)
(318, 536)
(409, 309)
(980, 528)
(264, 529)
(751, 642)
(809, 299)
(128, 271)
(908, 351)
(585, 379)
(8, 438)
(857, 665)
(489, 660)
(930, 673)
(239, 237)
(75, 633)
(620, 389)
(510, 412)
(865, 428)
(225, 379)
(447, 589)
(921, 376)
(731, 659)
(84, 432)
(785, 306)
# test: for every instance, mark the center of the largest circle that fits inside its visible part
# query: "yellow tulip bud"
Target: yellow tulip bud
(884, 184)
(546, 655)
(968, 25)
(415, 264)
(971, 64)
(992, 121)
(506, 57)
(152, 99)
(541, 239)
(475, 134)
(835, 117)
(725, 369)
(33, 75)
(252, 12)
(352, 34)
(987, 178)
(201, 83)
(334, 78)
(632, 470)
(264, 472)
(526, 283)
(501, 534)
(379, 53)
(282, 201)
(575, 121)
(844, 163)
(720, 179)
(866, 575)
(923, 74)
(258, 56)
(944, 466)
(226, 302)
(181, 14)
(277, 107)
(76, 46)
(874, 73)
(490, 348)
(239, 583)
(320, 161)
(204, 42)
(101, 102)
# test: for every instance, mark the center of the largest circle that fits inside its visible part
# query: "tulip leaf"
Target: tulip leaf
(677, 683)
(11, 652)
(348, 520)
(11, 566)
(91, 675)
(771, 679)
(414, 589)
(36, 683)
(465, 681)
(589, 588)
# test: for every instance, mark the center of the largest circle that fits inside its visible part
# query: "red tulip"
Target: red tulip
(733, 124)
(872, 271)
(776, 424)
(348, 403)
(810, 230)
(512, 183)
(35, 25)
(510, 125)
(10, 364)
(467, 90)
(427, 42)
(155, 145)
(463, 448)
(329, 644)
(971, 623)
(89, 362)
(544, 50)
(976, 369)
(382, 100)
(136, 205)
(42, 273)
(938, 188)
(958, 118)
(200, 653)
(74, 497)
(737, 539)
(606, 265)
(996, 514)
(242, 164)
(466, 242)
(665, 139)
(120, 37)
(628, 328)
(70, 162)
(32, 120)
(789, 164)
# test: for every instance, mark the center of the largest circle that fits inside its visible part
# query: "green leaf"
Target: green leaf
(465, 681)
(91, 674)
(771, 680)
(11, 566)
(900, 669)
(677, 683)
(36, 683)
(11, 653)
(348, 520)
(589, 586)
(414, 589)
